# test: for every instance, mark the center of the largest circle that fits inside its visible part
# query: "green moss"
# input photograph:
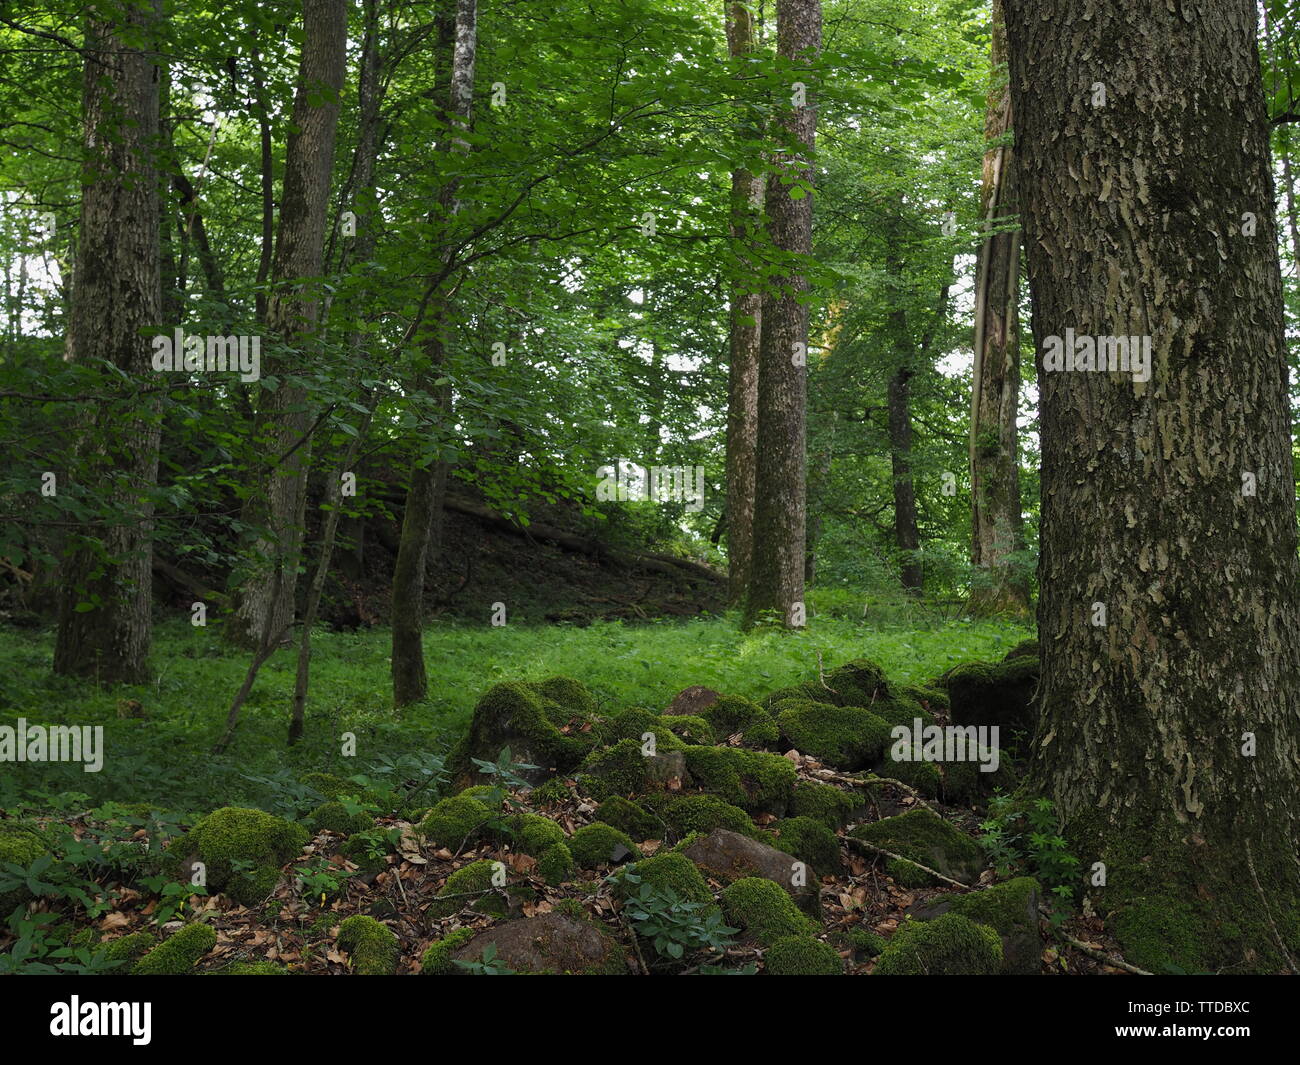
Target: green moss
(572, 697)
(901, 709)
(803, 692)
(549, 792)
(950, 945)
(802, 956)
(690, 729)
(669, 871)
(437, 960)
(1159, 933)
(965, 784)
(764, 910)
(373, 946)
(995, 693)
(925, 777)
(534, 834)
(333, 787)
(555, 865)
(934, 698)
(812, 842)
(857, 683)
(593, 845)
(864, 941)
(128, 949)
(830, 805)
(637, 723)
(21, 844)
(731, 715)
(704, 813)
(926, 838)
(178, 953)
(250, 968)
(756, 781)
(335, 817)
(488, 794)
(619, 770)
(235, 835)
(475, 878)
(356, 849)
(1004, 907)
(454, 821)
(631, 818)
(848, 737)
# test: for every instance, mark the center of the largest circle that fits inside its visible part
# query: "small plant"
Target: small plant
(674, 925)
(1029, 842)
(173, 897)
(320, 878)
(488, 965)
(503, 775)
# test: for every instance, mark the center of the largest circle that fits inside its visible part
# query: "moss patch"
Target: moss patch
(764, 910)
(756, 781)
(178, 953)
(950, 945)
(923, 837)
(373, 946)
(802, 956)
(848, 737)
(231, 835)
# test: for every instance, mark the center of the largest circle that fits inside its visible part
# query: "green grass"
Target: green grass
(165, 760)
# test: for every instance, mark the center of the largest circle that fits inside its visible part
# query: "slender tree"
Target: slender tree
(1168, 577)
(105, 583)
(996, 524)
(777, 577)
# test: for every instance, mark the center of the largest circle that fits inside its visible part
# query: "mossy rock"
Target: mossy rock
(631, 818)
(810, 841)
(931, 698)
(668, 871)
(472, 879)
(802, 692)
(555, 865)
(729, 856)
(20, 843)
(756, 781)
(924, 837)
(333, 787)
(925, 777)
(1024, 649)
(864, 942)
(601, 844)
(995, 693)
(549, 793)
(637, 724)
(490, 795)
(764, 911)
(624, 769)
(826, 803)
(704, 813)
(373, 946)
(857, 683)
(532, 833)
(437, 959)
(178, 953)
(454, 821)
(233, 834)
(572, 698)
(950, 945)
(901, 709)
(1011, 910)
(733, 715)
(127, 950)
(551, 943)
(802, 956)
(250, 968)
(965, 783)
(334, 816)
(848, 737)
(528, 722)
(691, 729)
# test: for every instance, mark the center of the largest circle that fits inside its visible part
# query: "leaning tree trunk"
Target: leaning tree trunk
(105, 582)
(780, 504)
(1168, 611)
(266, 599)
(745, 329)
(996, 528)
(422, 520)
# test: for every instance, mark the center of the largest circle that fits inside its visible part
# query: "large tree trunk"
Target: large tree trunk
(745, 329)
(907, 535)
(115, 302)
(1169, 737)
(777, 568)
(996, 530)
(422, 520)
(266, 599)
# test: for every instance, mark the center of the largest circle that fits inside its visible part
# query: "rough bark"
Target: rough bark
(422, 520)
(1133, 219)
(907, 534)
(996, 527)
(266, 598)
(780, 509)
(116, 299)
(745, 329)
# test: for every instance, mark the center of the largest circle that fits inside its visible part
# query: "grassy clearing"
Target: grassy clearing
(163, 758)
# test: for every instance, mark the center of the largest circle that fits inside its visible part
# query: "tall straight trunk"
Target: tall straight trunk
(780, 503)
(116, 300)
(745, 329)
(907, 534)
(422, 520)
(996, 526)
(265, 604)
(1168, 608)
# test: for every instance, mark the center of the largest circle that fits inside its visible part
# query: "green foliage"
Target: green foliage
(666, 871)
(488, 964)
(1023, 836)
(676, 926)
(437, 959)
